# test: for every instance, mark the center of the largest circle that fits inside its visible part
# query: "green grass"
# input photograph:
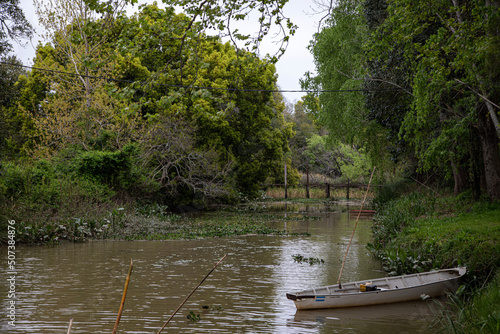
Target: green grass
(473, 313)
(419, 232)
(471, 239)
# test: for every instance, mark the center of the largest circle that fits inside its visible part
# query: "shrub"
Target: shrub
(389, 192)
(112, 168)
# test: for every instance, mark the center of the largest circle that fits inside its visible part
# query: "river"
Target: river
(245, 294)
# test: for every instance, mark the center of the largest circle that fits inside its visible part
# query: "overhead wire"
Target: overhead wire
(307, 91)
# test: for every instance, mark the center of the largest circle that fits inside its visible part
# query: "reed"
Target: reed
(190, 294)
(120, 311)
(355, 225)
(70, 325)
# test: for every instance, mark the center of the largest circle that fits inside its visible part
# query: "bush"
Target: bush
(389, 192)
(112, 168)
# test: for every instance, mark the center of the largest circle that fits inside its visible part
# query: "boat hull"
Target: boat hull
(447, 282)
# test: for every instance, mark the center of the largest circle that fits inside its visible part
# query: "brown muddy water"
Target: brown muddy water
(245, 294)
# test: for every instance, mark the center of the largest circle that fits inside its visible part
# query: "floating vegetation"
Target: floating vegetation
(193, 316)
(154, 222)
(311, 260)
(216, 308)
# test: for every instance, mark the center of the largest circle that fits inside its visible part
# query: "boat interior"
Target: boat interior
(386, 283)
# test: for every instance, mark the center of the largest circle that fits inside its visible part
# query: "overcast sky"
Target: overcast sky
(290, 68)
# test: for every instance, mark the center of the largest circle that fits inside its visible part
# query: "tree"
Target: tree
(221, 14)
(387, 84)
(13, 24)
(451, 48)
(164, 69)
(339, 60)
(79, 106)
(233, 111)
(175, 162)
(11, 124)
(341, 67)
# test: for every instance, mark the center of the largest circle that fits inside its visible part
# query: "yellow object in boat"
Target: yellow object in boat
(367, 287)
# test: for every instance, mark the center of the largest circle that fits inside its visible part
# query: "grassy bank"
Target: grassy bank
(419, 232)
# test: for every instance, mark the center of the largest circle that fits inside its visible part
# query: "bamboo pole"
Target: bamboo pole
(286, 189)
(123, 297)
(70, 325)
(185, 300)
(307, 183)
(354, 230)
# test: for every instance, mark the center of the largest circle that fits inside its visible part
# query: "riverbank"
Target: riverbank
(419, 232)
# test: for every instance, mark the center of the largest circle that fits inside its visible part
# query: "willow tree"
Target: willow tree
(339, 60)
(340, 79)
(452, 48)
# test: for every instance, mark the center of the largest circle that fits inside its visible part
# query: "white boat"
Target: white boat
(380, 290)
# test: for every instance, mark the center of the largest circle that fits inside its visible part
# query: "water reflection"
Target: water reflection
(246, 294)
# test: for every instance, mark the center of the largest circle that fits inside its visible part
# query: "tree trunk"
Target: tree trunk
(460, 177)
(478, 185)
(491, 156)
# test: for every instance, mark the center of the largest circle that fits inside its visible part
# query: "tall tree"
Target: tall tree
(11, 135)
(452, 48)
(387, 84)
(232, 110)
(339, 60)
(78, 107)
(341, 75)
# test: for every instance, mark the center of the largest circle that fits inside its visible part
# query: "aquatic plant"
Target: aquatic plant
(311, 260)
(193, 316)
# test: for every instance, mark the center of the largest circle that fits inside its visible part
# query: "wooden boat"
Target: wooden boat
(380, 290)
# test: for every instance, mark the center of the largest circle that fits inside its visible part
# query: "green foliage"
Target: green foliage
(343, 107)
(418, 231)
(388, 192)
(354, 164)
(339, 59)
(241, 132)
(51, 233)
(13, 24)
(193, 316)
(437, 54)
(112, 168)
(245, 128)
(12, 123)
(311, 260)
(478, 312)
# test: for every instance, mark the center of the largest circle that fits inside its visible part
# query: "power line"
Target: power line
(202, 87)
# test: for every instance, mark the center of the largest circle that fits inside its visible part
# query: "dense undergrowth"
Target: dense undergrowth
(80, 195)
(417, 232)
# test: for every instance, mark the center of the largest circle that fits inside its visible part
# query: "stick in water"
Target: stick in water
(70, 324)
(123, 297)
(357, 219)
(185, 300)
